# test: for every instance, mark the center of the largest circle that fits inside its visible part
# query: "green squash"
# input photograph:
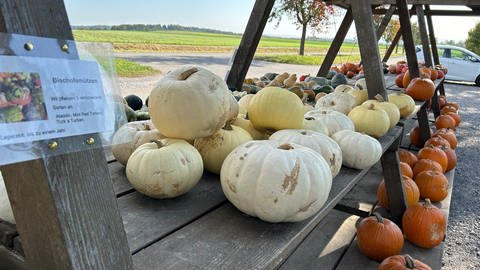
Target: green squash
(338, 79)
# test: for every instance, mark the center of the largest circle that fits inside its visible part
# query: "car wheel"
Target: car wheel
(477, 80)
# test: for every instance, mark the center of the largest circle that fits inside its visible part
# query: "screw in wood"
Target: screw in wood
(90, 141)
(64, 47)
(28, 46)
(52, 145)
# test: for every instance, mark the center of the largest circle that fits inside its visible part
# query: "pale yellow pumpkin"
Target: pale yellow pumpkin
(244, 102)
(275, 108)
(164, 169)
(319, 142)
(337, 101)
(215, 148)
(404, 102)
(234, 108)
(311, 123)
(361, 84)
(190, 102)
(390, 108)
(370, 120)
(243, 122)
(130, 136)
(360, 95)
(344, 88)
(333, 120)
(359, 151)
(276, 182)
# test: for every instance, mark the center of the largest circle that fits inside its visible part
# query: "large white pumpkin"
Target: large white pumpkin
(130, 136)
(359, 151)
(390, 108)
(337, 101)
(333, 120)
(215, 148)
(164, 169)
(6, 212)
(190, 102)
(276, 182)
(311, 123)
(319, 142)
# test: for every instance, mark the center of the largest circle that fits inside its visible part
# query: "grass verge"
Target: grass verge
(127, 68)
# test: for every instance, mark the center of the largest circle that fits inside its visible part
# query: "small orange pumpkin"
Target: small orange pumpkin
(415, 137)
(437, 141)
(448, 108)
(445, 121)
(440, 74)
(433, 74)
(399, 80)
(453, 104)
(420, 89)
(406, 169)
(434, 153)
(407, 157)
(410, 188)
(442, 100)
(433, 185)
(424, 224)
(402, 262)
(451, 156)
(447, 134)
(378, 237)
(426, 165)
(455, 117)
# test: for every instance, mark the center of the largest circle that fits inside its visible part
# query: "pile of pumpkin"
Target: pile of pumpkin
(349, 69)
(423, 224)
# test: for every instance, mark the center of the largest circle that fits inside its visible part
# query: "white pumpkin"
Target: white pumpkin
(244, 102)
(6, 212)
(130, 136)
(190, 102)
(337, 101)
(333, 120)
(164, 169)
(234, 108)
(370, 120)
(319, 142)
(307, 108)
(344, 88)
(360, 95)
(276, 182)
(390, 108)
(311, 123)
(404, 102)
(361, 84)
(215, 148)
(243, 122)
(359, 151)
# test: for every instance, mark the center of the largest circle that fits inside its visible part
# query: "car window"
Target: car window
(459, 55)
(441, 52)
(446, 53)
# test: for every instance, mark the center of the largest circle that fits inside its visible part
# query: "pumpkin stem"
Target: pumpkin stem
(371, 107)
(228, 125)
(159, 143)
(184, 75)
(409, 263)
(379, 217)
(379, 98)
(309, 118)
(246, 116)
(147, 127)
(303, 132)
(285, 146)
(428, 203)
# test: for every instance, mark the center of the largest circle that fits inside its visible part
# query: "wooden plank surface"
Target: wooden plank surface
(226, 238)
(325, 245)
(119, 179)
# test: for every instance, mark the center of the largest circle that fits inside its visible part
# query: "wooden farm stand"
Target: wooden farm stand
(69, 208)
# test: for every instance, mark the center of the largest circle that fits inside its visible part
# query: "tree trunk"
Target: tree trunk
(302, 40)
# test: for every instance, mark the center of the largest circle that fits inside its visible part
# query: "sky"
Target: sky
(221, 15)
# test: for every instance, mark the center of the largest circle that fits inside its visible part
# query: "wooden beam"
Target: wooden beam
(413, 2)
(381, 11)
(433, 41)
(248, 45)
(394, 43)
(336, 43)
(427, 55)
(362, 14)
(64, 205)
(408, 43)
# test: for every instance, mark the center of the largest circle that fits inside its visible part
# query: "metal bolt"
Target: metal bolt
(90, 141)
(28, 46)
(52, 145)
(64, 47)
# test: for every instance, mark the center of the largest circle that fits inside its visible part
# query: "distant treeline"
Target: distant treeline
(150, 27)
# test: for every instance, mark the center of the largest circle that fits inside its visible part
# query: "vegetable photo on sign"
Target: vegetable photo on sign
(21, 97)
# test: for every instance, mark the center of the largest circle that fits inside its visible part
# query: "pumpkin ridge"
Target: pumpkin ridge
(290, 181)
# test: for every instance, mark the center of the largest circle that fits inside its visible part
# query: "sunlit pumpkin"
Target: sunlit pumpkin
(437, 141)
(447, 134)
(426, 165)
(402, 262)
(433, 185)
(451, 156)
(406, 170)
(434, 153)
(412, 193)
(445, 121)
(404, 102)
(407, 157)
(455, 117)
(420, 89)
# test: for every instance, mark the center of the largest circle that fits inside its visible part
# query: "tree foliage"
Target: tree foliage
(473, 40)
(304, 13)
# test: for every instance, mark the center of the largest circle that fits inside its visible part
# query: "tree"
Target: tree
(305, 13)
(391, 30)
(473, 40)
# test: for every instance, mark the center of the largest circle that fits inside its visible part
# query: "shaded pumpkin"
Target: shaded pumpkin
(442, 101)
(451, 156)
(440, 74)
(437, 141)
(399, 80)
(445, 121)
(448, 108)
(407, 157)
(424, 224)
(434, 153)
(447, 134)
(406, 170)
(426, 165)
(455, 117)
(372, 233)
(433, 74)
(402, 262)
(415, 137)
(410, 188)
(453, 104)
(433, 185)
(420, 89)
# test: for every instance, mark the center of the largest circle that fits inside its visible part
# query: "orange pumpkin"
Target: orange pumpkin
(406, 169)
(440, 74)
(392, 68)
(433, 185)
(447, 134)
(445, 121)
(378, 237)
(402, 262)
(406, 79)
(426, 165)
(399, 80)
(407, 157)
(335, 68)
(410, 188)
(420, 89)
(433, 74)
(455, 117)
(453, 104)
(437, 141)
(350, 74)
(434, 153)
(424, 224)
(400, 66)
(441, 101)
(451, 156)
(448, 108)
(415, 137)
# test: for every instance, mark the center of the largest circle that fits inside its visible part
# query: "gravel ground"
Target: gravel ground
(462, 245)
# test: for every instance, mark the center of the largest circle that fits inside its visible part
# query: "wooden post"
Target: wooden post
(336, 43)
(427, 55)
(408, 43)
(433, 42)
(423, 124)
(362, 14)
(390, 49)
(248, 45)
(64, 206)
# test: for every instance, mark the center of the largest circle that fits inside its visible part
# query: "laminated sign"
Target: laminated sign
(44, 98)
